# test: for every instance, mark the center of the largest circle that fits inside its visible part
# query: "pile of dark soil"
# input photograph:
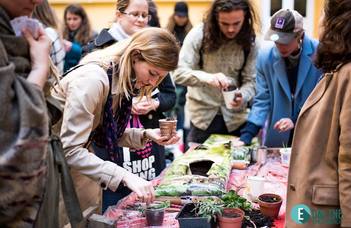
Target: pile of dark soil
(259, 219)
(201, 167)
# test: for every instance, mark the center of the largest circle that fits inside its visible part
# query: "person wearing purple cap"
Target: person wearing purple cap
(285, 78)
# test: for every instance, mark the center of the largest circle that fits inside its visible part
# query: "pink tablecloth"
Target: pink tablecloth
(276, 182)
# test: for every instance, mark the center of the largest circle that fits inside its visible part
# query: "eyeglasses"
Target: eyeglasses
(136, 15)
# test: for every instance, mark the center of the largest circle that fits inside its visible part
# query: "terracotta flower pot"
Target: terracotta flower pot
(231, 218)
(270, 204)
(167, 127)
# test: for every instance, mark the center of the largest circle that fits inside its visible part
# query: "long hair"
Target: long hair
(155, 46)
(171, 24)
(154, 21)
(44, 13)
(213, 37)
(84, 33)
(335, 41)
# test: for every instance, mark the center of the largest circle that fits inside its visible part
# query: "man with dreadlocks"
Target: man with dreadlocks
(217, 54)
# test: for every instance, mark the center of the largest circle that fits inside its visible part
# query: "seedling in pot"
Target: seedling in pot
(154, 213)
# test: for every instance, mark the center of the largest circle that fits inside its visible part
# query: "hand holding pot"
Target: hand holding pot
(238, 100)
(155, 135)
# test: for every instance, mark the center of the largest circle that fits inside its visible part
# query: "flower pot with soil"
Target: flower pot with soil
(189, 217)
(168, 126)
(270, 204)
(231, 218)
(154, 213)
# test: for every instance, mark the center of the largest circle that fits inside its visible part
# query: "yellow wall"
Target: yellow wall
(317, 14)
(101, 12)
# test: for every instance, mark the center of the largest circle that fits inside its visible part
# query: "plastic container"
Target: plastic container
(229, 95)
(154, 217)
(285, 155)
(255, 185)
(186, 221)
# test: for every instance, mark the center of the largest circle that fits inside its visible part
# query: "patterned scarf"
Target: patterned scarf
(113, 125)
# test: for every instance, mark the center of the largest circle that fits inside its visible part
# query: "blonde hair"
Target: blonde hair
(155, 46)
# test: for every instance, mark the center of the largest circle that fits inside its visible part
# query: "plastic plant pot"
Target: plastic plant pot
(154, 217)
(187, 218)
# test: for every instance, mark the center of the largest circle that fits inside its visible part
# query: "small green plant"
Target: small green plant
(164, 204)
(208, 208)
(233, 200)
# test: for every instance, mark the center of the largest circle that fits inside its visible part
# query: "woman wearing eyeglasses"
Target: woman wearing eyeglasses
(131, 16)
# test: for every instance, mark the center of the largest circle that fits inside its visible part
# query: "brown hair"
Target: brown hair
(84, 33)
(213, 37)
(121, 5)
(171, 24)
(44, 13)
(335, 41)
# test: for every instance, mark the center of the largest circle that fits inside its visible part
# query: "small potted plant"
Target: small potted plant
(270, 204)
(231, 218)
(232, 215)
(154, 213)
(202, 214)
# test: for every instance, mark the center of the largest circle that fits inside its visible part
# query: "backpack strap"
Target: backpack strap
(104, 39)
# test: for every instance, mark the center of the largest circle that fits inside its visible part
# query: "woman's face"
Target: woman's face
(180, 20)
(73, 21)
(17, 8)
(134, 17)
(147, 74)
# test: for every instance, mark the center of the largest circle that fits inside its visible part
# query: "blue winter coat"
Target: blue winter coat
(273, 99)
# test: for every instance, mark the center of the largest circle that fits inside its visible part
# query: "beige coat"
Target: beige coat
(320, 168)
(83, 93)
(203, 101)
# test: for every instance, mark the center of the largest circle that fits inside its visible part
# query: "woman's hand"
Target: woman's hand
(39, 54)
(155, 135)
(284, 124)
(67, 45)
(144, 189)
(145, 106)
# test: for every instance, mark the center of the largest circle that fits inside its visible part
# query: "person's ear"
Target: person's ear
(135, 56)
(117, 15)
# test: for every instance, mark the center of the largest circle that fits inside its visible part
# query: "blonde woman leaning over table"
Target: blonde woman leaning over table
(97, 98)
